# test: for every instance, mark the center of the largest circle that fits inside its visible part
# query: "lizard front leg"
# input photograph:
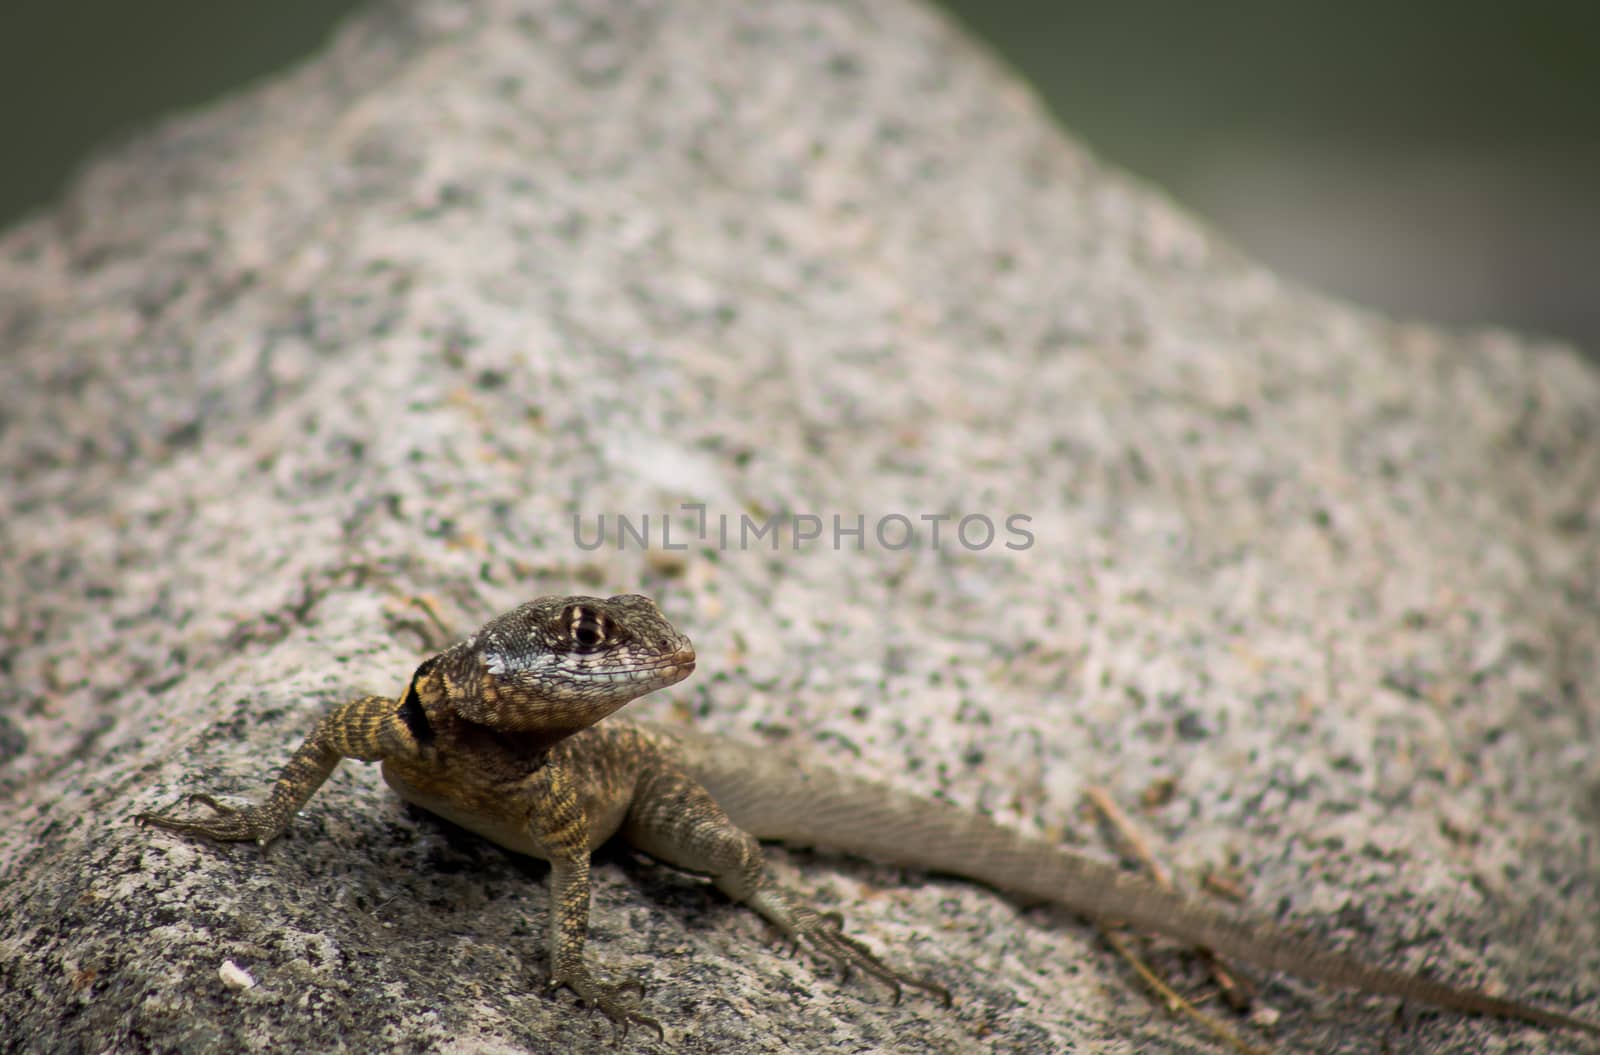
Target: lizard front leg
(368, 729)
(676, 820)
(561, 830)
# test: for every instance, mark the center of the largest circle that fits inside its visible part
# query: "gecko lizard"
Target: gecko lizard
(501, 733)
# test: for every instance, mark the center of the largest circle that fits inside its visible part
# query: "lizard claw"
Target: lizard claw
(230, 824)
(824, 933)
(607, 998)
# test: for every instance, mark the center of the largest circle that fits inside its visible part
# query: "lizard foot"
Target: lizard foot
(230, 825)
(608, 999)
(824, 933)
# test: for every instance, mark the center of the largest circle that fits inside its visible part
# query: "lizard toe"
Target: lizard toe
(611, 999)
(824, 934)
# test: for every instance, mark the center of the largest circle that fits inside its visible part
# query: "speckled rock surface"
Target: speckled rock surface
(383, 328)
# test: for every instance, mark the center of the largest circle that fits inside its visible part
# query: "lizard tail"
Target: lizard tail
(771, 797)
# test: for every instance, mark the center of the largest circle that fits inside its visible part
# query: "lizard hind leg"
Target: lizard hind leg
(677, 821)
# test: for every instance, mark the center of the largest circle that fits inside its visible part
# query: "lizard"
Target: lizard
(501, 733)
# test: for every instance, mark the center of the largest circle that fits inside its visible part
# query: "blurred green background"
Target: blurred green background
(1439, 161)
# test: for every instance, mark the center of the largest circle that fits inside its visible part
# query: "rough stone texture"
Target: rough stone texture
(381, 328)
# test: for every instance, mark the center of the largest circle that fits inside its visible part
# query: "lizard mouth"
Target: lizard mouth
(681, 661)
(677, 666)
(668, 669)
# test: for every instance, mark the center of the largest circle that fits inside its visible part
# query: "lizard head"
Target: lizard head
(558, 664)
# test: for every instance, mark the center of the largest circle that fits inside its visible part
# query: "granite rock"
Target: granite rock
(1312, 593)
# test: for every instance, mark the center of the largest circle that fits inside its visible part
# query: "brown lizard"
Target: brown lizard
(498, 733)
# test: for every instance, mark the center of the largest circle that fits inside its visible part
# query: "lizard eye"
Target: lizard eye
(587, 628)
